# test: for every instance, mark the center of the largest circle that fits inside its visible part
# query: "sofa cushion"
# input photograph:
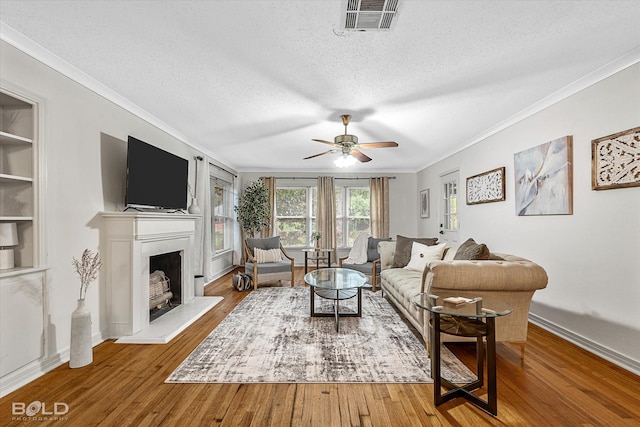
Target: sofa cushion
(403, 248)
(423, 254)
(402, 283)
(471, 251)
(372, 248)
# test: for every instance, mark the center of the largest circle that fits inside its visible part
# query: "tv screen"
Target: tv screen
(155, 178)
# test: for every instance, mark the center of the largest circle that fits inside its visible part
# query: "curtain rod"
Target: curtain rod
(310, 177)
(223, 169)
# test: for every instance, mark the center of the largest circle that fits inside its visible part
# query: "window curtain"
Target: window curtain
(326, 212)
(202, 191)
(379, 206)
(270, 184)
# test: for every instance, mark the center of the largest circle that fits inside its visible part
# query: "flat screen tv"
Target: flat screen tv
(155, 178)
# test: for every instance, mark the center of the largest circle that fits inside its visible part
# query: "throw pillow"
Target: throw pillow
(421, 255)
(372, 248)
(470, 250)
(403, 248)
(263, 243)
(268, 255)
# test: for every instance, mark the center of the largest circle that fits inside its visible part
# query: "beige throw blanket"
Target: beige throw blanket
(358, 253)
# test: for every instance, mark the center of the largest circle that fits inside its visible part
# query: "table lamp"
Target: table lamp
(8, 237)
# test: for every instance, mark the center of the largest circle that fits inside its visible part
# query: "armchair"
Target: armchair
(262, 272)
(371, 268)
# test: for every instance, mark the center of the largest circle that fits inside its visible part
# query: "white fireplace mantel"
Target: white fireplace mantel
(129, 240)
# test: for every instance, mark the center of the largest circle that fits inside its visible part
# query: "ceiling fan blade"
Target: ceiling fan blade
(323, 141)
(320, 154)
(383, 144)
(360, 156)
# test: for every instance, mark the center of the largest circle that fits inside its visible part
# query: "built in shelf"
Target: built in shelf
(9, 138)
(16, 218)
(14, 178)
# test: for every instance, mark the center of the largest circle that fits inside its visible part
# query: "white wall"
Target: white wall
(593, 256)
(85, 138)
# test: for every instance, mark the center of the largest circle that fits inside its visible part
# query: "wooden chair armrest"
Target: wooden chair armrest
(247, 252)
(286, 255)
(341, 259)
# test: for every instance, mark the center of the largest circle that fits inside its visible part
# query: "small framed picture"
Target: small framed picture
(424, 203)
(486, 187)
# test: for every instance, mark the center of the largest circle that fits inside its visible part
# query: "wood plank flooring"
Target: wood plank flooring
(558, 384)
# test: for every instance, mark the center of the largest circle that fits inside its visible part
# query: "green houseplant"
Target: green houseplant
(253, 211)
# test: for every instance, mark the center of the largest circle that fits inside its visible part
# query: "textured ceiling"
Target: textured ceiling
(253, 81)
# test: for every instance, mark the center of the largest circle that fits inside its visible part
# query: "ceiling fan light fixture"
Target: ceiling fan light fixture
(345, 160)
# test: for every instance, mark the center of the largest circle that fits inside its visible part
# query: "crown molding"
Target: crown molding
(48, 58)
(625, 61)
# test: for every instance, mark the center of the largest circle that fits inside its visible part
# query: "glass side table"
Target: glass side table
(317, 255)
(467, 319)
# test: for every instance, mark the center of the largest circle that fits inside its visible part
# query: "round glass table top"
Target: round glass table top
(466, 307)
(335, 278)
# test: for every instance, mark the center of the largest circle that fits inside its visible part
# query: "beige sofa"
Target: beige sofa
(512, 280)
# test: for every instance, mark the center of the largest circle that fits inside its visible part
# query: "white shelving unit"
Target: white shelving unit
(17, 184)
(23, 299)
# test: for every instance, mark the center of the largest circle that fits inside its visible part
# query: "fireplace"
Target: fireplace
(135, 244)
(165, 283)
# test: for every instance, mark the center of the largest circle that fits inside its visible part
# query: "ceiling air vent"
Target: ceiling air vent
(369, 15)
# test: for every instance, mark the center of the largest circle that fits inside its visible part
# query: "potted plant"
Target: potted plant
(317, 236)
(253, 211)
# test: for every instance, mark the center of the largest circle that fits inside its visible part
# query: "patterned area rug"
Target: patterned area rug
(270, 338)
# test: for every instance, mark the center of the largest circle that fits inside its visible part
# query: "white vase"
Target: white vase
(81, 353)
(194, 208)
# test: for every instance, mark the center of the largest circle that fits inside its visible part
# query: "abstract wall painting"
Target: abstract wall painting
(544, 179)
(615, 160)
(486, 187)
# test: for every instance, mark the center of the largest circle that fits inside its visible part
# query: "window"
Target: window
(450, 206)
(221, 215)
(352, 214)
(295, 214)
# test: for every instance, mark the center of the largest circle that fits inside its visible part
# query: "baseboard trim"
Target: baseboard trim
(32, 371)
(582, 342)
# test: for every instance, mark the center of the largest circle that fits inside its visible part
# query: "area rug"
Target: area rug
(270, 338)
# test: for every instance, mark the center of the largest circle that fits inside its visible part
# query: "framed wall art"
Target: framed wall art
(486, 187)
(544, 179)
(424, 203)
(615, 160)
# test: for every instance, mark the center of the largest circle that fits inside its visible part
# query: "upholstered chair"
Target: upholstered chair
(261, 265)
(371, 268)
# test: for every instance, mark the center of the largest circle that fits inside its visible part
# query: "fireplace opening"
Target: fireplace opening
(165, 283)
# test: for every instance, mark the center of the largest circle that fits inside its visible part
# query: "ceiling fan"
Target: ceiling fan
(349, 147)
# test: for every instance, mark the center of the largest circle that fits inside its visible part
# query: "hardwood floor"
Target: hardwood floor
(558, 384)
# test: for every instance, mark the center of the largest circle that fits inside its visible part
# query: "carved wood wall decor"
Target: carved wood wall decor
(615, 160)
(486, 187)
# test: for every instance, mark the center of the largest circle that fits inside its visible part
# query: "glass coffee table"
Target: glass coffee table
(336, 284)
(467, 318)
